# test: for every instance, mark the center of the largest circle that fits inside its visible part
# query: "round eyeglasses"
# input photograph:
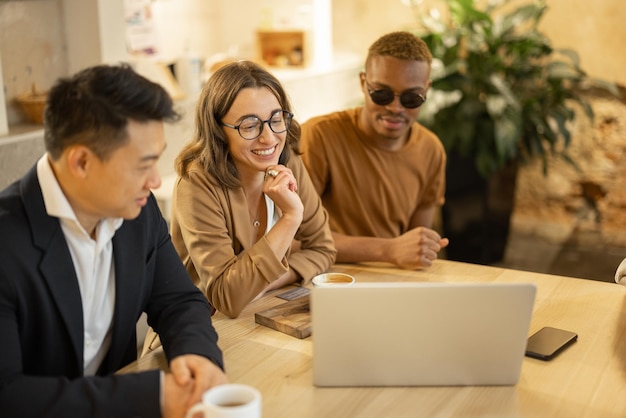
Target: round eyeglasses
(382, 97)
(251, 127)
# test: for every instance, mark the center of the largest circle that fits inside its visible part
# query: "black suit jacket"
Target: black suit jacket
(41, 318)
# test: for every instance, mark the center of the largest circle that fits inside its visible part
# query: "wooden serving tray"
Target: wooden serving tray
(292, 318)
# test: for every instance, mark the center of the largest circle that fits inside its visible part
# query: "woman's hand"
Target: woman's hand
(281, 186)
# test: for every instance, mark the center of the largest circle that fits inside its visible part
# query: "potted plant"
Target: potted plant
(500, 95)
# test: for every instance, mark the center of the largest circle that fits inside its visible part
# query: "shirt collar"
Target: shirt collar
(55, 201)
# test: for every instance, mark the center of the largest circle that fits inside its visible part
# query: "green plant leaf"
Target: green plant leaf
(507, 131)
(500, 92)
(527, 15)
(564, 70)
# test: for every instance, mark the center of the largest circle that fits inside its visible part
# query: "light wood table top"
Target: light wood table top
(588, 379)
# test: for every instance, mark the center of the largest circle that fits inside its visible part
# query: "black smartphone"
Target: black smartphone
(548, 342)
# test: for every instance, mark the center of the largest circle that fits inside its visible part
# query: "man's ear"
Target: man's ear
(79, 160)
(362, 83)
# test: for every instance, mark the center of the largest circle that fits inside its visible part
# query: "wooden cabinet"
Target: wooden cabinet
(282, 48)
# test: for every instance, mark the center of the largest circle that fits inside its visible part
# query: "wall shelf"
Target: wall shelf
(18, 133)
(282, 48)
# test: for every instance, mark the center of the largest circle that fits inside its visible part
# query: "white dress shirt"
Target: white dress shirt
(93, 262)
(272, 213)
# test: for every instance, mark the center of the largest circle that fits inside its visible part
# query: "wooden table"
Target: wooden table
(586, 380)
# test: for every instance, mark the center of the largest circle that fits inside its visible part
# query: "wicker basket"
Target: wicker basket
(33, 104)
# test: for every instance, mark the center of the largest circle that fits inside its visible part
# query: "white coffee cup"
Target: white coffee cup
(231, 400)
(333, 279)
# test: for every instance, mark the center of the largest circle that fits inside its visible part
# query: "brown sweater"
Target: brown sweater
(368, 191)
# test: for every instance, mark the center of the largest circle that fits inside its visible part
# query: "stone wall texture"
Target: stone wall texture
(588, 202)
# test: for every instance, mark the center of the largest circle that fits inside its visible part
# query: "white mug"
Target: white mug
(231, 400)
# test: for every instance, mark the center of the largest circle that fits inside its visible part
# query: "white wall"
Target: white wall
(87, 32)
(206, 28)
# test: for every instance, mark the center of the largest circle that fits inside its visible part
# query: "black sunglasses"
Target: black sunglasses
(383, 97)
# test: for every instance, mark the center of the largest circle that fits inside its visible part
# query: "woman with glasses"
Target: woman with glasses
(245, 216)
(379, 172)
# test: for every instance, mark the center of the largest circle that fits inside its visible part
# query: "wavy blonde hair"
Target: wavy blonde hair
(209, 144)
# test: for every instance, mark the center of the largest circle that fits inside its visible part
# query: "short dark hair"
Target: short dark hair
(401, 45)
(93, 107)
(209, 145)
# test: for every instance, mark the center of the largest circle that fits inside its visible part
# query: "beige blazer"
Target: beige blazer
(212, 233)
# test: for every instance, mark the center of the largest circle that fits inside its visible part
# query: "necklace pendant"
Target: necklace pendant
(256, 223)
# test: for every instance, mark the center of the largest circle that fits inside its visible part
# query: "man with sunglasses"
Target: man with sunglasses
(380, 174)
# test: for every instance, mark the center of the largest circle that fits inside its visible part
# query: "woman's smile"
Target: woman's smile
(265, 152)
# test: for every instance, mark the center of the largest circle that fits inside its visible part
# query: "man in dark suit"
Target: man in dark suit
(84, 251)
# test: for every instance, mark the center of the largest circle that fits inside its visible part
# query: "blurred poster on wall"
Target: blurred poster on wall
(141, 34)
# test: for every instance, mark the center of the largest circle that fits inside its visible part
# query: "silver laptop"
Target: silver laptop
(420, 334)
